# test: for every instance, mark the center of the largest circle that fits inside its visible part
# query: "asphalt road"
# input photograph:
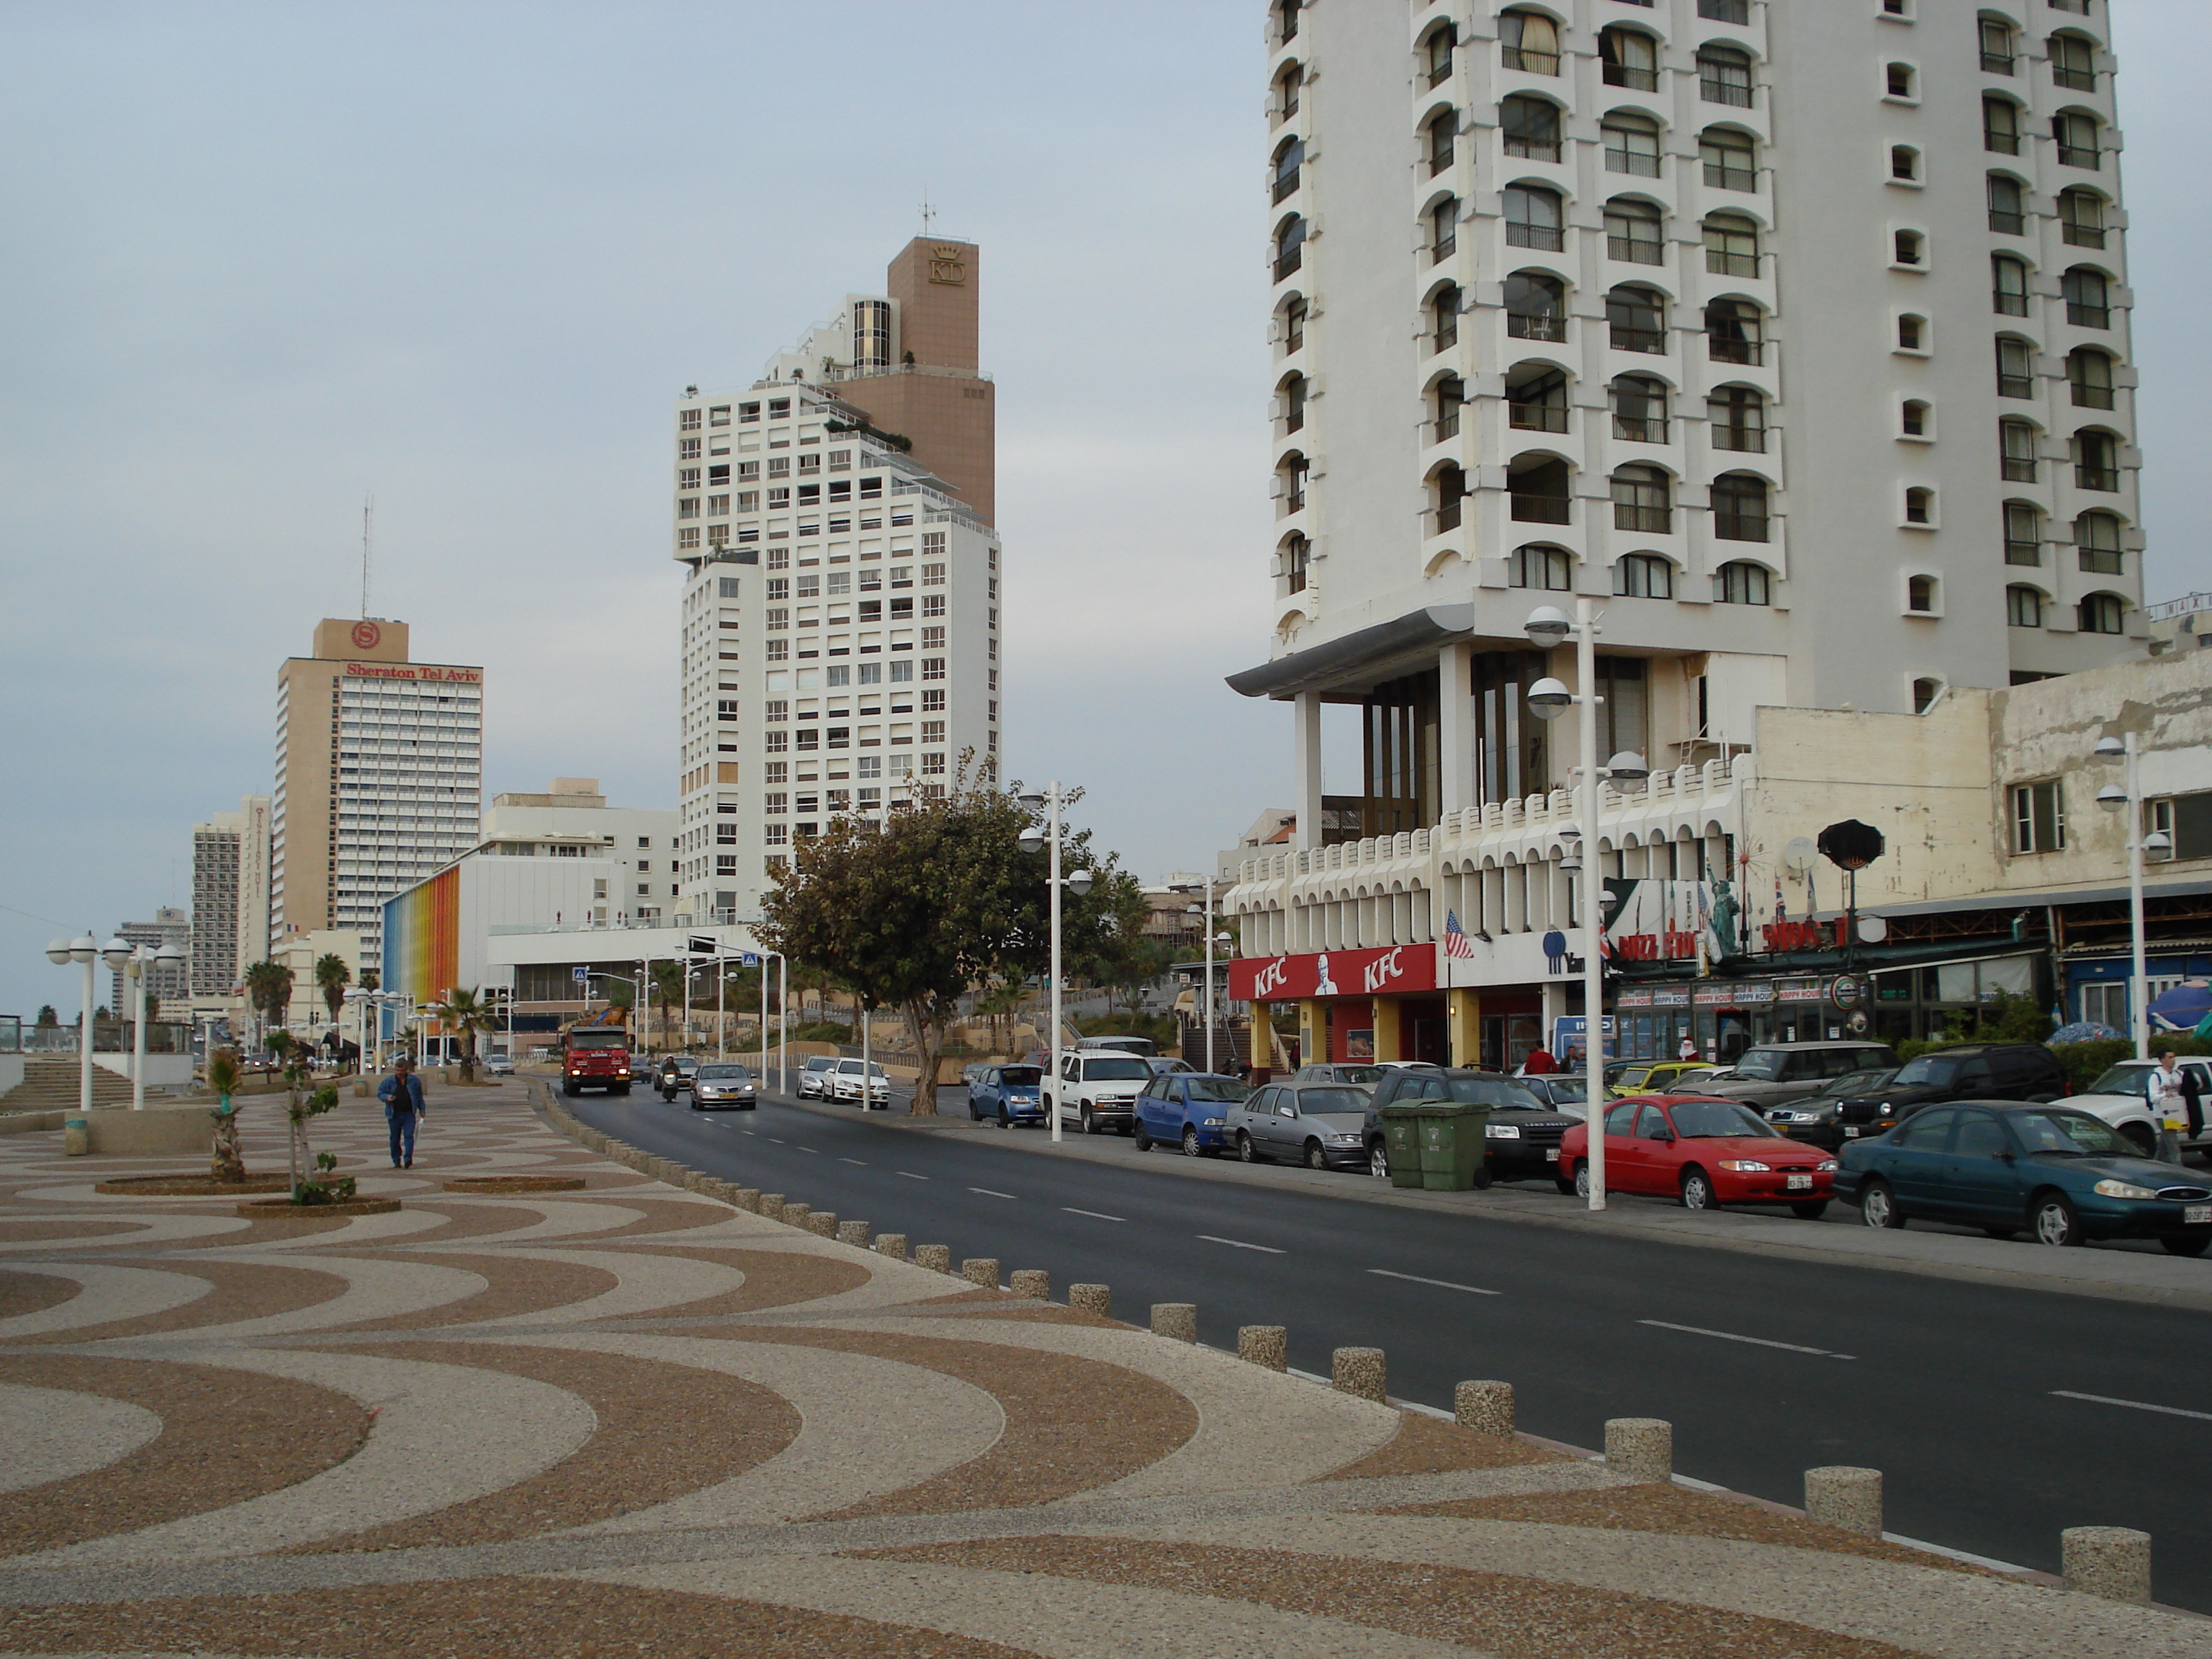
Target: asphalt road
(1960, 1394)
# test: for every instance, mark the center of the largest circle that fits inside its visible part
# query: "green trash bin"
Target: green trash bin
(1438, 1145)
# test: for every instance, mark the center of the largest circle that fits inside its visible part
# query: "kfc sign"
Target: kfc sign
(1387, 972)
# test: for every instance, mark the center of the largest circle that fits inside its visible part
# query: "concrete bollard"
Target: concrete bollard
(795, 1215)
(938, 1258)
(1032, 1282)
(892, 1245)
(2111, 1562)
(853, 1232)
(980, 1270)
(1264, 1345)
(747, 1199)
(1839, 1496)
(822, 1224)
(1177, 1321)
(1640, 1448)
(1092, 1299)
(1359, 1372)
(771, 1206)
(1485, 1406)
(361, 1090)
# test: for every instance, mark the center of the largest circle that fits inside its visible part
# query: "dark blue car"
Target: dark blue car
(1189, 1110)
(1007, 1095)
(2008, 1167)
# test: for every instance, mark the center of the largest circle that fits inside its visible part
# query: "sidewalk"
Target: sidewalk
(636, 1417)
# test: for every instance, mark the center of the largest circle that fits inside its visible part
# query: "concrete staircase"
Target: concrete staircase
(50, 1085)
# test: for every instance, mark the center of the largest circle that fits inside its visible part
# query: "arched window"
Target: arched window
(1298, 554)
(1293, 403)
(1731, 245)
(2015, 367)
(1630, 59)
(2008, 285)
(2023, 606)
(1924, 693)
(2023, 533)
(1288, 84)
(2000, 45)
(1436, 49)
(1741, 582)
(1643, 500)
(1724, 76)
(2096, 460)
(2097, 543)
(1644, 576)
(1531, 126)
(1730, 158)
(2082, 217)
(2016, 447)
(2001, 127)
(1908, 247)
(1911, 333)
(1290, 246)
(1919, 506)
(1444, 133)
(1640, 409)
(1631, 143)
(1912, 419)
(1538, 487)
(1290, 480)
(2008, 206)
(1530, 42)
(1443, 230)
(1905, 163)
(1535, 307)
(1920, 594)
(2088, 298)
(1444, 317)
(2101, 613)
(1538, 566)
(1450, 397)
(1735, 332)
(1290, 155)
(1737, 417)
(1286, 21)
(2073, 62)
(1899, 81)
(1637, 319)
(1536, 397)
(2089, 377)
(1633, 232)
(1739, 507)
(1452, 491)
(1294, 324)
(2077, 137)
(1534, 218)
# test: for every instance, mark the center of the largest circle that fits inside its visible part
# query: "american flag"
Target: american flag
(1456, 943)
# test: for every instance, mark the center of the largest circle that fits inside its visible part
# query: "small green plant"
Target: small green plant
(324, 1190)
(224, 1076)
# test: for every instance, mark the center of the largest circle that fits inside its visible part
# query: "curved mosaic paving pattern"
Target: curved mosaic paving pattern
(635, 1419)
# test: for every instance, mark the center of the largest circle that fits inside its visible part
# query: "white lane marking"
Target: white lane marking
(2132, 1404)
(1239, 1244)
(1756, 1341)
(777, 1140)
(910, 1175)
(1095, 1215)
(816, 1151)
(1443, 1284)
(862, 1162)
(988, 1192)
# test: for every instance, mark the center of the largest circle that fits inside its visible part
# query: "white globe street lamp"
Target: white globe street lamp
(1035, 839)
(2113, 798)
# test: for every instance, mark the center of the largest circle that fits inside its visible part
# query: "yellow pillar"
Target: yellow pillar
(1463, 1025)
(1389, 1039)
(1313, 1031)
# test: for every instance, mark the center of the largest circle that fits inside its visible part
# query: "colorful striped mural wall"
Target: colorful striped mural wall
(421, 937)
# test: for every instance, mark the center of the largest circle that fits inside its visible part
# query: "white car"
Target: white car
(499, 1066)
(2122, 1098)
(814, 1080)
(845, 1082)
(1099, 1089)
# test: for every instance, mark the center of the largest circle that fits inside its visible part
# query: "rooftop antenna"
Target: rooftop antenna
(368, 519)
(928, 213)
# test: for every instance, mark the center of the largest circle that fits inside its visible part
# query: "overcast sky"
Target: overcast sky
(260, 261)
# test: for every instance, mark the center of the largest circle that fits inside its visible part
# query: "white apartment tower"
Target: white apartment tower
(841, 621)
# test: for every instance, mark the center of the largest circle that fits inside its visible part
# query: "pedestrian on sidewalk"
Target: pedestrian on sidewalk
(404, 1108)
(2169, 1104)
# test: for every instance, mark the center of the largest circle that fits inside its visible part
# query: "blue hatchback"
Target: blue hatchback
(1189, 1110)
(1006, 1095)
(2008, 1167)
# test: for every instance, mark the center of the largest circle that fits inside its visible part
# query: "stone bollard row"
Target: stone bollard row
(1839, 1496)
(1092, 1299)
(938, 1258)
(1359, 1372)
(2111, 1562)
(822, 1224)
(747, 1199)
(980, 1270)
(1264, 1345)
(1486, 1406)
(771, 1206)
(795, 1215)
(892, 1245)
(1032, 1282)
(853, 1232)
(1177, 1321)
(1640, 1448)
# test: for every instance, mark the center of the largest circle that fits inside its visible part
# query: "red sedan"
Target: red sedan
(1702, 1152)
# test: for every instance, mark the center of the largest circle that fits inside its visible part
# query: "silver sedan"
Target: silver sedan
(722, 1086)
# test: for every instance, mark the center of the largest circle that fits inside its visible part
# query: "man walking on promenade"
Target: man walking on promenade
(403, 1106)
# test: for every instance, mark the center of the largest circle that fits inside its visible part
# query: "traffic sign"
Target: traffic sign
(749, 959)
(580, 975)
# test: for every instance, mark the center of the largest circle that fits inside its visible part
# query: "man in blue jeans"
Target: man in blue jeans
(403, 1106)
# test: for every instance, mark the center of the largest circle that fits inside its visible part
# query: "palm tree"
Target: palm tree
(371, 979)
(464, 1014)
(667, 991)
(332, 978)
(269, 988)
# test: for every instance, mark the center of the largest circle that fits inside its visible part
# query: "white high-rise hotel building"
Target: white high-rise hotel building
(1794, 332)
(841, 608)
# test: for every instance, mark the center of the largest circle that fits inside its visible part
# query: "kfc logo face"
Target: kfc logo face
(365, 636)
(1270, 978)
(1385, 968)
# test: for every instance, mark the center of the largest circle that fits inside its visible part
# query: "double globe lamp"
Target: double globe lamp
(121, 955)
(1038, 838)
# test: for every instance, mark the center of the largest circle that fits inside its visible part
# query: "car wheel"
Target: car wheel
(1246, 1152)
(1005, 1120)
(1565, 1183)
(2184, 1244)
(1144, 1141)
(2138, 1135)
(1316, 1158)
(974, 1112)
(621, 1088)
(1698, 1191)
(1878, 1205)
(1582, 1182)
(569, 1089)
(1810, 1211)
(1378, 1161)
(1089, 1122)
(2056, 1221)
(1190, 1147)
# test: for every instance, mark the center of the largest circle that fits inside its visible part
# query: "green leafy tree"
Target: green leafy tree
(269, 989)
(667, 991)
(47, 1015)
(332, 978)
(224, 1076)
(464, 1014)
(942, 898)
(371, 979)
(1133, 962)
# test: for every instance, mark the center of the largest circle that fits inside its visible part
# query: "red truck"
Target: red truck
(594, 1057)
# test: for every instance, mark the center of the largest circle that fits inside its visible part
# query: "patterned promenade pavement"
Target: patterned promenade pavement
(634, 1418)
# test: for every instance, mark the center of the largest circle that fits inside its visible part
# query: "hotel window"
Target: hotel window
(2038, 817)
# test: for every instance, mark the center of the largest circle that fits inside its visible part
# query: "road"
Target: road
(1967, 1398)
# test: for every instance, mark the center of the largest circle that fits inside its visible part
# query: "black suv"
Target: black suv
(1521, 1141)
(1968, 1071)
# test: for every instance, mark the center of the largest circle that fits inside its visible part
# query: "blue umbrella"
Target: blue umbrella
(2085, 1030)
(2183, 1007)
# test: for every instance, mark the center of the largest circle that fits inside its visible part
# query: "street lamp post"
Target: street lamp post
(1548, 627)
(84, 951)
(2112, 798)
(140, 968)
(1077, 883)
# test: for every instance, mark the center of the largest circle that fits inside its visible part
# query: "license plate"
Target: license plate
(1797, 1183)
(1850, 1131)
(1551, 1155)
(2197, 1214)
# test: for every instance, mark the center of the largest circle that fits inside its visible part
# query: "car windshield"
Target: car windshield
(2069, 1134)
(1855, 1082)
(1484, 1091)
(819, 1062)
(1938, 1069)
(1716, 1120)
(598, 1040)
(1135, 1069)
(724, 1074)
(1359, 1074)
(1217, 1088)
(1313, 1101)
(2123, 1080)
(1760, 1065)
(1020, 1076)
